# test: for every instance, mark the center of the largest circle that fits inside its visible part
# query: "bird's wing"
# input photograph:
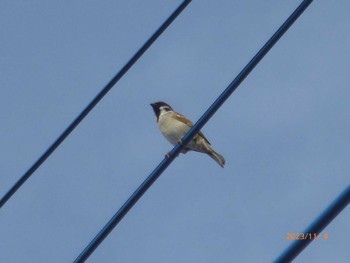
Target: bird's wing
(189, 124)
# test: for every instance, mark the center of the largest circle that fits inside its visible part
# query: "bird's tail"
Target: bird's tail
(217, 157)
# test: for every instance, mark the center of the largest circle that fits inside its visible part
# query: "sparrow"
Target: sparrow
(174, 126)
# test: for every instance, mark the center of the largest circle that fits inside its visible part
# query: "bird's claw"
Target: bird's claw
(167, 155)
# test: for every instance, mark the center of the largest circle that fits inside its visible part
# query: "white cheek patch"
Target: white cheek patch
(164, 109)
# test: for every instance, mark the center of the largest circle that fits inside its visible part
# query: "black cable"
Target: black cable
(93, 103)
(200, 123)
(316, 227)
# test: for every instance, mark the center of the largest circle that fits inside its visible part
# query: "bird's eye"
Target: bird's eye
(164, 108)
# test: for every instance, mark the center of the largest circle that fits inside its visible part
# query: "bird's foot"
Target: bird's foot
(167, 155)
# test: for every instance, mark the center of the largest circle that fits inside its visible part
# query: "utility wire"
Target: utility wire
(93, 103)
(316, 227)
(189, 135)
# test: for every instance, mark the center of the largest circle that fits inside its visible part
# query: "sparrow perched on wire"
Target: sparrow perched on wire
(174, 126)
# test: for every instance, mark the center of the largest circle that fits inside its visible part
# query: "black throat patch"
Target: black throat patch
(160, 104)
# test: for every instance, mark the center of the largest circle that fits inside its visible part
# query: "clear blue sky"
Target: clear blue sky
(284, 132)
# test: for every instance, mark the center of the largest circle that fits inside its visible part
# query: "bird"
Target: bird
(174, 126)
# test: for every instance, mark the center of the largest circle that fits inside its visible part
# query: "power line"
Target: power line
(189, 135)
(93, 103)
(316, 227)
